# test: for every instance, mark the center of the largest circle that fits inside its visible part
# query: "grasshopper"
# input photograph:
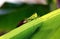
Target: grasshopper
(34, 16)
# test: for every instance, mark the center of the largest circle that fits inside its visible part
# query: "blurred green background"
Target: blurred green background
(20, 12)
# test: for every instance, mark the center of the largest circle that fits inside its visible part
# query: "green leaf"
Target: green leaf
(45, 27)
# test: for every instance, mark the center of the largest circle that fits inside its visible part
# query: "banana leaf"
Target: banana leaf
(45, 27)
